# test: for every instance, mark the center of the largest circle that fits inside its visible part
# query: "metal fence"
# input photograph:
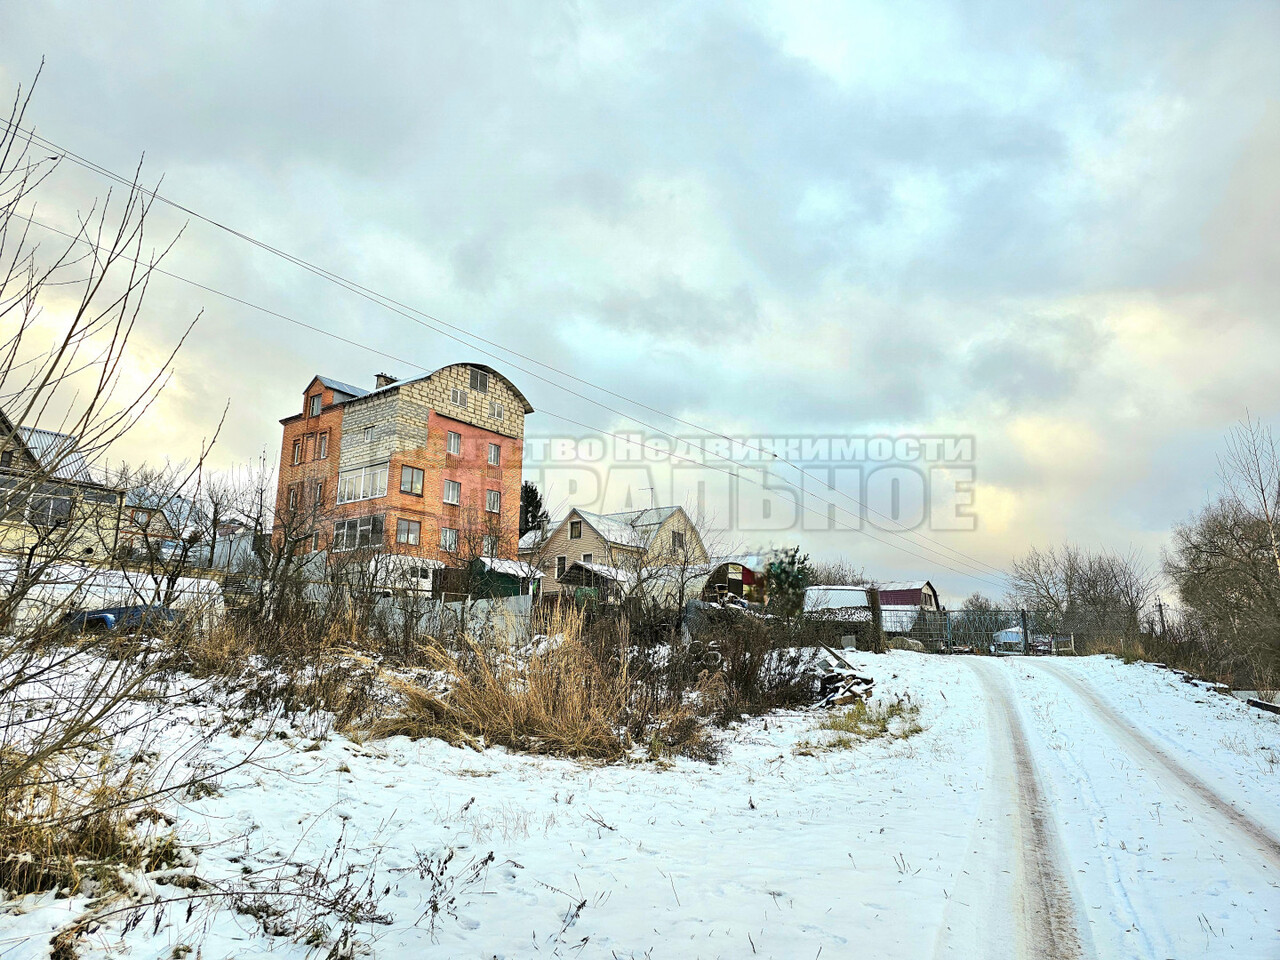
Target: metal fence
(985, 631)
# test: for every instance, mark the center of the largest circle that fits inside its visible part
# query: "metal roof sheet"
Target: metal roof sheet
(58, 453)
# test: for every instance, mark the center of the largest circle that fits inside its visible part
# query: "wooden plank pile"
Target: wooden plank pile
(842, 684)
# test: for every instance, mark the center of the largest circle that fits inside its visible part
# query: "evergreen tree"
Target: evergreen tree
(532, 513)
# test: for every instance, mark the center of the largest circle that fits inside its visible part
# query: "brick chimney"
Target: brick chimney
(384, 380)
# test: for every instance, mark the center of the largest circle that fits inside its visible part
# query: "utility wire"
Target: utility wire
(557, 416)
(399, 308)
(414, 314)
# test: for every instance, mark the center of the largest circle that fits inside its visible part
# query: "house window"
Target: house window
(493, 501)
(297, 451)
(313, 406)
(453, 443)
(358, 532)
(411, 481)
(315, 541)
(586, 558)
(408, 531)
(575, 529)
(677, 540)
(559, 567)
(319, 493)
(322, 446)
(452, 492)
(490, 545)
(293, 498)
(496, 410)
(458, 397)
(495, 454)
(6, 458)
(479, 381)
(142, 517)
(368, 434)
(49, 511)
(362, 483)
(449, 539)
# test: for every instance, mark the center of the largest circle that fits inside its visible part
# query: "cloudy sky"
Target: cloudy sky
(1053, 232)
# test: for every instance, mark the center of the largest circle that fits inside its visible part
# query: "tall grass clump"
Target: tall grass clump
(569, 692)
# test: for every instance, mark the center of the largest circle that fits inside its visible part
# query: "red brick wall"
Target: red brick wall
(312, 468)
(470, 468)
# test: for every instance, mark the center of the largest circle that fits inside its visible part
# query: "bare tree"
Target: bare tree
(1092, 594)
(64, 391)
(1250, 470)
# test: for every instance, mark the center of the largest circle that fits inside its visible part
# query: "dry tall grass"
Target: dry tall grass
(563, 695)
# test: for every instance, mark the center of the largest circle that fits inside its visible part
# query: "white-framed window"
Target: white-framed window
(452, 492)
(560, 563)
(313, 406)
(358, 532)
(51, 509)
(315, 541)
(362, 483)
(453, 443)
(409, 531)
(297, 450)
(575, 529)
(322, 446)
(319, 493)
(677, 540)
(490, 545)
(458, 397)
(586, 558)
(493, 501)
(368, 434)
(496, 410)
(293, 498)
(479, 381)
(449, 539)
(495, 454)
(411, 480)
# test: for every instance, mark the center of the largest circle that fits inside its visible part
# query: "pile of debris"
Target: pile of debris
(840, 683)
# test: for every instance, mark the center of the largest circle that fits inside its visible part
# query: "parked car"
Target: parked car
(120, 619)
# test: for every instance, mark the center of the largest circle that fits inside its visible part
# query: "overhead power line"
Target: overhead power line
(556, 416)
(409, 311)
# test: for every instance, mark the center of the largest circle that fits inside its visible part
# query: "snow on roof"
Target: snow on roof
(619, 576)
(630, 528)
(834, 597)
(531, 538)
(902, 585)
(341, 387)
(752, 561)
(511, 568)
(58, 453)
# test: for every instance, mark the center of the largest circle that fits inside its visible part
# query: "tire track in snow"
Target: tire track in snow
(1138, 743)
(1047, 911)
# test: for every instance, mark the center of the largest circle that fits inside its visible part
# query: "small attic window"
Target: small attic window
(313, 406)
(479, 381)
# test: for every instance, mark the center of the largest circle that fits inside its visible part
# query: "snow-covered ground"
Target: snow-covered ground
(1025, 819)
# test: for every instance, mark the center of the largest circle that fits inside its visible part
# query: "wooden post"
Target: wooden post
(1026, 633)
(877, 620)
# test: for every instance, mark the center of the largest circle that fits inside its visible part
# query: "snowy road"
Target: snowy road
(1073, 808)
(1164, 863)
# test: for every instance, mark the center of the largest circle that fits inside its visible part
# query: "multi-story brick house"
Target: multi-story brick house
(428, 467)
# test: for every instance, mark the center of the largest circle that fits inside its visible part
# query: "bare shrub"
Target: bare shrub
(763, 665)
